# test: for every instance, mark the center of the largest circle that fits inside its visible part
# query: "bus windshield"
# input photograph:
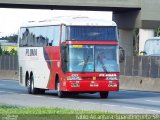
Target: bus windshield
(98, 33)
(92, 58)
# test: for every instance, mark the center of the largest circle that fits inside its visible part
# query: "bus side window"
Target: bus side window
(56, 36)
(63, 36)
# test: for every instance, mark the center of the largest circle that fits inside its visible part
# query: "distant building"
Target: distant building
(7, 46)
(3, 41)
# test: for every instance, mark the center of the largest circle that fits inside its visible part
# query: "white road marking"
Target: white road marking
(1, 91)
(6, 92)
(131, 107)
(38, 96)
(136, 91)
(143, 109)
(135, 108)
(9, 80)
(12, 92)
(155, 111)
(153, 101)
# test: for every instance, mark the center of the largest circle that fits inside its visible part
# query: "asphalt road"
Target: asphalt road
(130, 102)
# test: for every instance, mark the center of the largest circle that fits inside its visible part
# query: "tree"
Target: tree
(157, 32)
(5, 52)
(13, 52)
(11, 38)
(135, 41)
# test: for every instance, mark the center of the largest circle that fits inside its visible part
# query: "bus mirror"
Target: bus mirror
(121, 54)
(50, 43)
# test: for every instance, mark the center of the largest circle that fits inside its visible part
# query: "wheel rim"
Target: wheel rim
(32, 86)
(58, 88)
(28, 83)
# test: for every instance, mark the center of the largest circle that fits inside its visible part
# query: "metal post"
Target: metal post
(13, 63)
(0, 62)
(4, 59)
(9, 60)
(125, 65)
(150, 66)
(133, 66)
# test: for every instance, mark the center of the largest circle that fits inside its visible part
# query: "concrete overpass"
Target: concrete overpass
(128, 14)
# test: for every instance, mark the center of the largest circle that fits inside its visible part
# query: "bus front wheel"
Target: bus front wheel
(104, 94)
(60, 93)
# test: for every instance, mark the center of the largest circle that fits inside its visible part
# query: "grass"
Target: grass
(5, 109)
(21, 113)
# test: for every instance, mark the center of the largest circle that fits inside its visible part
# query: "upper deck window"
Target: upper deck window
(98, 33)
(39, 36)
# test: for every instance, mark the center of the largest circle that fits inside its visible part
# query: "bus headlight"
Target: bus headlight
(74, 77)
(112, 78)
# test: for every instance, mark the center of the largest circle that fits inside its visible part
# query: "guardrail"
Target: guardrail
(140, 73)
(144, 66)
(8, 62)
(9, 67)
(137, 73)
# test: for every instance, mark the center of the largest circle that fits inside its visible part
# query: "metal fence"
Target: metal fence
(8, 62)
(144, 66)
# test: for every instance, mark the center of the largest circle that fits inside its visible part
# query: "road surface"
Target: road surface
(130, 102)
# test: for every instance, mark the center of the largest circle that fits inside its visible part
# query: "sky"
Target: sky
(12, 19)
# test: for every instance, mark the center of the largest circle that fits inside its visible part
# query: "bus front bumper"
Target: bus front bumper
(90, 86)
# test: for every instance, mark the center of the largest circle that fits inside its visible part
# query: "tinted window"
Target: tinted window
(63, 38)
(81, 58)
(92, 33)
(92, 58)
(40, 36)
(106, 58)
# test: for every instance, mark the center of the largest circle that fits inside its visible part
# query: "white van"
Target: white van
(152, 46)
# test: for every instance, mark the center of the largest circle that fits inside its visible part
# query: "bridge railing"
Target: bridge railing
(8, 67)
(8, 62)
(144, 66)
(140, 73)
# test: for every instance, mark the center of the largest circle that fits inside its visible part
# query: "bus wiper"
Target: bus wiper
(85, 63)
(103, 66)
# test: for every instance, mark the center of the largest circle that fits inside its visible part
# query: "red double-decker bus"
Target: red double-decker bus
(73, 55)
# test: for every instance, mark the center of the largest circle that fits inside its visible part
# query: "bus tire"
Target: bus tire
(104, 94)
(60, 93)
(33, 89)
(29, 86)
(41, 91)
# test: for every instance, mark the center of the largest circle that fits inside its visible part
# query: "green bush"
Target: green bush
(4, 52)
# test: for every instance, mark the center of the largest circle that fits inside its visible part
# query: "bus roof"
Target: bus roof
(71, 21)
